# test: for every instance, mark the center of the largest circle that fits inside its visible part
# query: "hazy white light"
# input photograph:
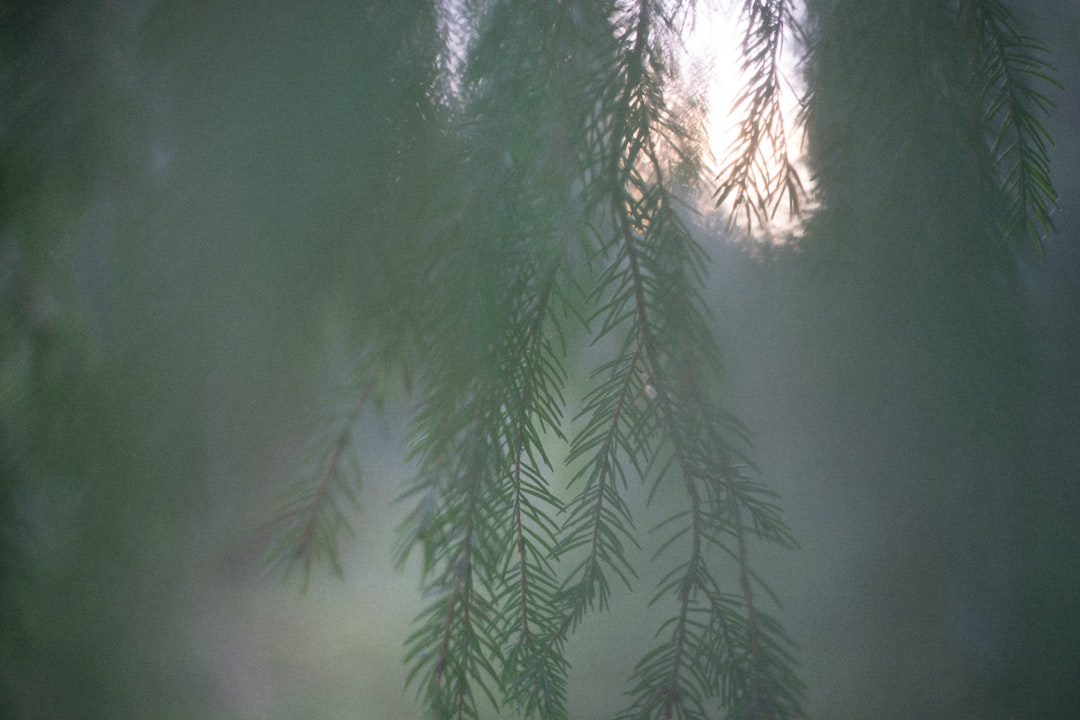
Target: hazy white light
(715, 42)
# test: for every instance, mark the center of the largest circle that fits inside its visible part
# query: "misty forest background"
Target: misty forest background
(198, 204)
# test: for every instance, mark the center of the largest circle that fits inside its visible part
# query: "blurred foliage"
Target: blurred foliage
(212, 217)
(915, 240)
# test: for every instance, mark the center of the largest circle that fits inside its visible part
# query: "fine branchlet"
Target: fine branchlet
(1015, 76)
(759, 172)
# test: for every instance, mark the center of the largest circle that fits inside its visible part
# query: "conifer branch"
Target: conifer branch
(314, 508)
(500, 433)
(758, 173)
(556, 121)
(1011, 65)
(456, 522)
(757, 693)
(647, 291)
(534, 683)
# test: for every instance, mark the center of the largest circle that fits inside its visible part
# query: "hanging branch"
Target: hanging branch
(490, 374)
(652, 406)
(1012, 66)
(758, 173)
(458, 520)
(534, 679)
(501, 278)
(482, 516)
(563, 143)
(313, 509)
(452, 648)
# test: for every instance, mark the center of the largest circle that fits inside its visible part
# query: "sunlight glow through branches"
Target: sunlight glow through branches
(713, 48)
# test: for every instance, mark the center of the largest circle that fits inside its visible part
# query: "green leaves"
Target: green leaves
(654, 410)
(1015, 74)
(566, 226)
(509, 570)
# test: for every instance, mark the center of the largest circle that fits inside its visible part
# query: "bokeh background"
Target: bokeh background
(197, 201)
